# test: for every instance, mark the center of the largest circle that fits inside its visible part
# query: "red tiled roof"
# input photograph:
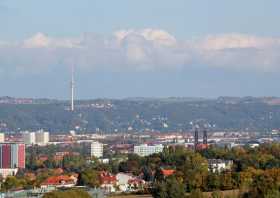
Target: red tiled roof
(57, 180)
(136, 181)
(167, 172)
(107, 178)
(202, 146)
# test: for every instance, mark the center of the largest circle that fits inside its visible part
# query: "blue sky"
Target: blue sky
(150, 48)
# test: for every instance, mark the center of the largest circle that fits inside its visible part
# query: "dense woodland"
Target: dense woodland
(251, 114)
(255, 172)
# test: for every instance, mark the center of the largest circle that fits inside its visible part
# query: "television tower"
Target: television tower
(72, 88)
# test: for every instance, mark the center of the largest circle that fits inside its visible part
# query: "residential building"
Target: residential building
(136, 184)
(122, 181)
(12, 157)
(146, 150)
(60, 181)
(129, 183)
(2, 137)
(29, 138)
(42, 137)
(219, 165)
(96, 149)
(108, 182)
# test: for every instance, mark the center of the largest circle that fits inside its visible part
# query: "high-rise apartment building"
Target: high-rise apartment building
(12, 155)
(29, 138)
(96, 149)
(40, 137)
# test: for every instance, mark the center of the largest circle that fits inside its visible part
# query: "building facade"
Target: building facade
(40, 137)
(12, 155)
(2, 137)
(29, 138)
(96, 149)
(219, 165)
(146, 150)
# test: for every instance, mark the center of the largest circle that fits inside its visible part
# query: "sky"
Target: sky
(133, 48)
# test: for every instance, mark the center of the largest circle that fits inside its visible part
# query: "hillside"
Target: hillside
(140, 114)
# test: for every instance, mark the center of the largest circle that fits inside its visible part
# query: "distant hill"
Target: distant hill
(140, 114)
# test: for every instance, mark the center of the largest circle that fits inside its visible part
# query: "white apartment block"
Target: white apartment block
(29, 138)
(146, 150)
(96, 149)
(40, 137)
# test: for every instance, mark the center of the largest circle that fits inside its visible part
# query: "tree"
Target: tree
(170, 188)
(160, 190)
(12, 182)
(195, 171)
(226, 181)
(265, 184)
(196, 193)
(272, 194)
(216, 194)
(89, 177)
(174, 188)
(213, 181)
(147, 174)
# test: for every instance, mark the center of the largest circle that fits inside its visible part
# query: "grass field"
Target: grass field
(227, 193)
(131, 196)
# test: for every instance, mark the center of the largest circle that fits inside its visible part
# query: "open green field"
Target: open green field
(131, 196)
(227, 193)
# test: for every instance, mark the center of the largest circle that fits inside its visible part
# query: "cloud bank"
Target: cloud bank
(140, 50)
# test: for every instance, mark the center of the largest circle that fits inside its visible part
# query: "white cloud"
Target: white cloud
(158, 37)
(147, 49)
(231, 41)
(40, 40)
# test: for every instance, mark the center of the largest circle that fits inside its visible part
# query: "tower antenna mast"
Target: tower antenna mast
(72, 88)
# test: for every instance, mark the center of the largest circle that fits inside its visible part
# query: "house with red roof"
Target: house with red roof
(108, 182)
(167, 172)
(59, 181)
(135, 184)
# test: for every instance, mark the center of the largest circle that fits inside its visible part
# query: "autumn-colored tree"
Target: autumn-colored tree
(265, 184)
(195, 171)
(169, 188)
(89, 178)
(226, 181)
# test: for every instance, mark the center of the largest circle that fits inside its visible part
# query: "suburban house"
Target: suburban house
(219, 165)
(128, 183)
(59, 181)
(108, 182)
